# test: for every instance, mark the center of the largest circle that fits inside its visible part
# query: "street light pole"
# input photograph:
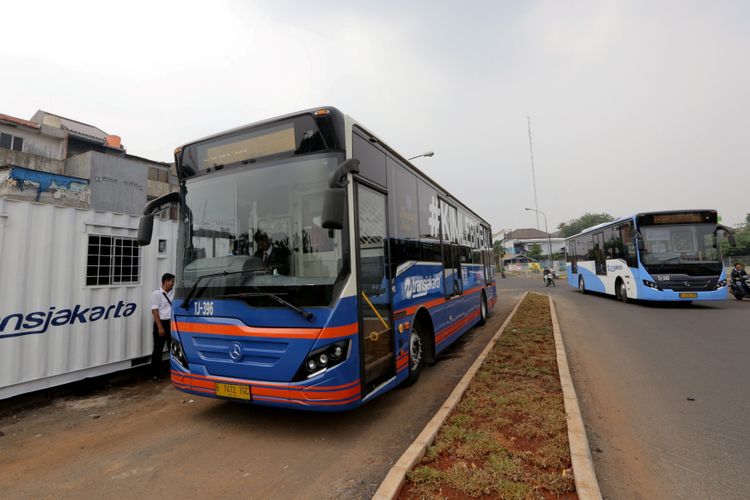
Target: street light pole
(428, 154)
(549, 240)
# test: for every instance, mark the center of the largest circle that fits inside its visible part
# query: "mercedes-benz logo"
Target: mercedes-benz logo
(687, 284)
(235, 351)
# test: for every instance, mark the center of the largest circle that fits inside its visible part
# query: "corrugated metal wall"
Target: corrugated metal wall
(43, 257)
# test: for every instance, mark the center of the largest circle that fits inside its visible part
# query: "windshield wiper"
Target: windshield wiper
(305, 314)
(186, 302)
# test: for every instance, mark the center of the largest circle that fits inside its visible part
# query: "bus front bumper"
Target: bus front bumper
(326, 393)
(684, 296)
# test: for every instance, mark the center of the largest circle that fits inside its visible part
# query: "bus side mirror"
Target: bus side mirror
(146, 224)
(338, 176)
(334, 204)
(639, 241)
(728, 232)
(145, 229)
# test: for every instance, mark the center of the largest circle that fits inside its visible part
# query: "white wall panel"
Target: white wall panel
(43, 256)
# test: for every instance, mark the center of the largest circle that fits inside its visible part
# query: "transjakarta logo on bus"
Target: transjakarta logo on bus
(419, 286)
(14, 325)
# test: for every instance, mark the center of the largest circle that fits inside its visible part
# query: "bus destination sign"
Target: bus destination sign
(268, 143)
(680, 218)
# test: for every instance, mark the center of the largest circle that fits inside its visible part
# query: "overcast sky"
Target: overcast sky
(634, 105)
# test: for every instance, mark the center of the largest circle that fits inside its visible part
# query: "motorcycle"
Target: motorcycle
(740, 288)
(549, 280)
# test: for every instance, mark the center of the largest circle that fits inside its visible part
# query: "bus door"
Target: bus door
(600, 257)
(451, 250)
(373, 289)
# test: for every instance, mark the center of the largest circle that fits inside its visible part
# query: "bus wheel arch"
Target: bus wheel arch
(423, 321)
(621, 290)
(417, 349)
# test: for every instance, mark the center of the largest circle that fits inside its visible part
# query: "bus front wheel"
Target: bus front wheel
(416, 354)
(622, 291)
(581, 285)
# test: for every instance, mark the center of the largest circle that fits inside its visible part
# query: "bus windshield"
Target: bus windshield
(262, 224)
(679, 245)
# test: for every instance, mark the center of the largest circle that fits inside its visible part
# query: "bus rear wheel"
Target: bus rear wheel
(483, 309)
(416, 354)
(581, 285)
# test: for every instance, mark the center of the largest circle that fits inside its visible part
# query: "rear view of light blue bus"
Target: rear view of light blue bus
(666, 256)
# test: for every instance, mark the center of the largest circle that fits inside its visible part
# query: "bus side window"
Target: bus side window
(371, 159)
(403, 215)
(429, 223)
(628, 244)
(609, 242)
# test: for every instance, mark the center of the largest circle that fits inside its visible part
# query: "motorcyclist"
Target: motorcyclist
(738, 276)
(548, 277)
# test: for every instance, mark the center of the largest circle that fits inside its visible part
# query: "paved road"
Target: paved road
(150, 441)
(665, 393)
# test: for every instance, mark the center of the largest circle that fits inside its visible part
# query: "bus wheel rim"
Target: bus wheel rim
(483, 307)
(415, 347)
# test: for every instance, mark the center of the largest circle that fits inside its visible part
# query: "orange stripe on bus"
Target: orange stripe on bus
(454, 328)
(282, 333)
(435, 302)
(339, 331)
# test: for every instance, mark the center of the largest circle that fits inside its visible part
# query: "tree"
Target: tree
(742, 236)
(497, 246)
(587, 220)
(535, 251)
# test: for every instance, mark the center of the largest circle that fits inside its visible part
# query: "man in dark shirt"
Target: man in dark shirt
(738, 273)
(275, 258)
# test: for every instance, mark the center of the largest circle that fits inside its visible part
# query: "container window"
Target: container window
(112, 260)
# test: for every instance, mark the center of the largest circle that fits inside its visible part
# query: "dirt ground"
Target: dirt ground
(147, 440)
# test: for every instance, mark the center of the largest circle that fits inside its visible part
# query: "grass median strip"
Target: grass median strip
(508, 435)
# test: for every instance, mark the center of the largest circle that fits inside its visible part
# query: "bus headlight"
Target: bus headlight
(721, 284)
(323, 358)
(177, 353)
(651, 284)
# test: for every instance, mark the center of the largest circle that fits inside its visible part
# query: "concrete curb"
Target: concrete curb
(587, 486)
(394, 480)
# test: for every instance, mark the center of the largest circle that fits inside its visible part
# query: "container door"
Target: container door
(374, 292)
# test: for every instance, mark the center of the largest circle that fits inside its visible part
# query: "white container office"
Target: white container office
(74, 292)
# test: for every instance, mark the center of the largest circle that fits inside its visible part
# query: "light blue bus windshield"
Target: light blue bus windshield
(669, 247)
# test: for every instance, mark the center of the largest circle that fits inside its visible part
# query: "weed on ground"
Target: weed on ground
(507, 438)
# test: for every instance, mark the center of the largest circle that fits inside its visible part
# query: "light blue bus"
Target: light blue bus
(662, 256)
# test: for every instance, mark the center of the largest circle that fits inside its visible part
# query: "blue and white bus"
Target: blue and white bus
(316, 267)
(667, 256)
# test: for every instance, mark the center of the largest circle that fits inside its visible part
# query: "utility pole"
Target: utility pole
(533, 175)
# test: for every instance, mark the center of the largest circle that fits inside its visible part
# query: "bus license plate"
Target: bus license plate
(233, 391)
(688, 295)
